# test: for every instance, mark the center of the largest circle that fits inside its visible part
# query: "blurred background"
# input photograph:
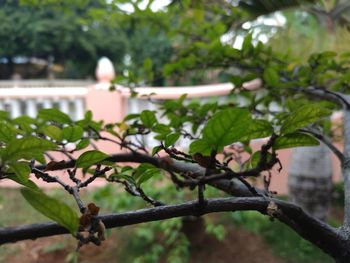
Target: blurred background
(49, 52)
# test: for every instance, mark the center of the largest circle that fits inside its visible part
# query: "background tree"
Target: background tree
(213, 155)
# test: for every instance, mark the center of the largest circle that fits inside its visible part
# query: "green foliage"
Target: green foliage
(303, 116)
(148, 118)
(52, 208)
(89, 158)
(295, 139)
(229, 126)
(26, 148)
(21, 170)
(54, 115)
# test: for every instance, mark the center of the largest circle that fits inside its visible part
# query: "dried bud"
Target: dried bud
(203, 161)
(53, 165)
(93, 209)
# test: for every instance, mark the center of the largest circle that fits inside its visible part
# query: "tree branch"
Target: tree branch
(327, 142)
(325, 94)
(319, 233)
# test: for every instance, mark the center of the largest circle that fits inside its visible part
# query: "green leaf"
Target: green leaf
(7, 132)
(4, 115)
(295, 139)
(28, 183)
(83, 144)
(257, 129)
(89, 158)
(200, 146)
(53, 132)
(156, 149)
(171, 139)
(25, 122)
(271, 77)
(148, 118)
(26, 148)
(52, 208)
(131, 116)
(21, 169)
(247, 45)
(125, 176)
(255, 158)
(54, 115)
(73, 133)
(226, 127)
(144, 172)
(303, 116)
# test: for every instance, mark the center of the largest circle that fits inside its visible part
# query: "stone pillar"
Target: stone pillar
(15, 108)
(310, 179)
(64, 105)
(31, 108)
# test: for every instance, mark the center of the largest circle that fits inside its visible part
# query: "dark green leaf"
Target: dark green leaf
(303, 116)
(156, 149)
(148, 118)
(7, 132)
(83, 144)
(295, 139)
(28, 183)
(52, 208)
(257, 129)
(21, 169)
(271, 77)
(255, 158)
(53, 132)
(72, 133)
(26, 148)
(54, 115)
(171, 139)
(200, 146)
(226, 127)
(89, 158)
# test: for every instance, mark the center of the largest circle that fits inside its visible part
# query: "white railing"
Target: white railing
(28, 97)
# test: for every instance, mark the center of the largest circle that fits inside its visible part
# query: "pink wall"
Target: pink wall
(111, 106)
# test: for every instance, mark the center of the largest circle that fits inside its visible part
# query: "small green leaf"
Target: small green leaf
(226, 127)
(131, 116)
(148, 118)
(52, 208)
(72, 133)
(295, 139)
(83, 144)
(29, 183)
(89, 158)
(171, 139)
(200, 146)
(54, 115)
(21, 169)
(271, 77)
(25, 123)
(303, 116)
(53, 132)
(125, 176)
(156, 149)
(26, 148)
(247, 45)
(144, 172)
(7, 132)
(255, 158)
(257, 129)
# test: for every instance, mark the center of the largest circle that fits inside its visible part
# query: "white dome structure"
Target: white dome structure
(105, 70)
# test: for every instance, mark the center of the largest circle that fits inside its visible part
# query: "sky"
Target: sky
(155, 6)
